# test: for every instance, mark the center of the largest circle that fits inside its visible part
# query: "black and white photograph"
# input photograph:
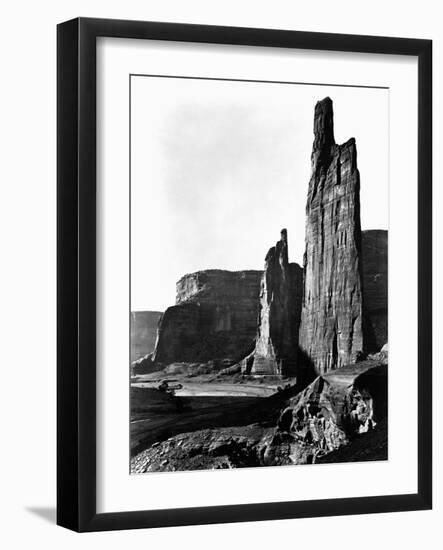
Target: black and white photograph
(220, 275)
(258, 274)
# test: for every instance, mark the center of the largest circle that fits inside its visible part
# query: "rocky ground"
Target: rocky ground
(340, 416)
(157, 416)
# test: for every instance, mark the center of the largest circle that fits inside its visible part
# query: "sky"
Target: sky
(218, 168)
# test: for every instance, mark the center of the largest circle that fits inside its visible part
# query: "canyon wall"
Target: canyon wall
(214, 318)
(374, 254)
(331, 330)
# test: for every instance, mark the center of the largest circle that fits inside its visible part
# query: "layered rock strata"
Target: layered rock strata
(276, 346)
(331, 330)
(214, 319)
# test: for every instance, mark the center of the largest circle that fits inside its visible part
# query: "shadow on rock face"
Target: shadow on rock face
(375, 382)
(306, 370)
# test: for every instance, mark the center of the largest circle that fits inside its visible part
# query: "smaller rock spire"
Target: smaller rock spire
(280, 305)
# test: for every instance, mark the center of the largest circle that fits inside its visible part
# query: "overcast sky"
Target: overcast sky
(218, 168)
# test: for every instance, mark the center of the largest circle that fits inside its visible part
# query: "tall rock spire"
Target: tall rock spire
(323, 125)
(331, 331)
(276, 344)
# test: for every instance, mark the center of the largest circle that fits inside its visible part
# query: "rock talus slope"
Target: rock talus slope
(331, 331)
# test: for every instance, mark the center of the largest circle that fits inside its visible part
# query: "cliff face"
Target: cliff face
(331, 331)
(214, 319)
(218, 287)
(375, 288)
(143, 332)
(276, 346)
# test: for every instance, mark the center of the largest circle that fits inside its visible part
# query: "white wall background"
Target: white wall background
(27, 274)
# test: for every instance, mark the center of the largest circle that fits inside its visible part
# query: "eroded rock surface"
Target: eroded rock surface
(214, 319)
(372, 445)
(334, 409)
(331, 331)
(276, 346)
(213, 449)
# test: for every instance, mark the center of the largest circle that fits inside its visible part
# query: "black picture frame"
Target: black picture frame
(76, 266)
